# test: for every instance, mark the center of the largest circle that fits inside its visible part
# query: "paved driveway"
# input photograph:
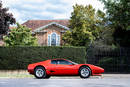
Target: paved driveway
(65, 82)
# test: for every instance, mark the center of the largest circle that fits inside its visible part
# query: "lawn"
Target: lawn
(15, 74)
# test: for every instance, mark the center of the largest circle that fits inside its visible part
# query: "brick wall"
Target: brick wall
(1, 43)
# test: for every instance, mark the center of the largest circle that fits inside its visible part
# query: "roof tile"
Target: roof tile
(34, 24)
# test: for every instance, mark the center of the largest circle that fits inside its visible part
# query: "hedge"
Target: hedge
(19, 57)
(115, 60)
(115, 64)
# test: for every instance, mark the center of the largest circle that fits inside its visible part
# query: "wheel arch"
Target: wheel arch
(39, 66)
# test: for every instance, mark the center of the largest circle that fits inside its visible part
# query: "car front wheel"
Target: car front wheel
(84, 72)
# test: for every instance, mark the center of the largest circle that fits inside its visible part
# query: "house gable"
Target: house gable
(50, 24)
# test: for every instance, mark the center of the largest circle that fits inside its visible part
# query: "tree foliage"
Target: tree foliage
(5, 20)
(20, 36)
(118, 13)
(85, 25)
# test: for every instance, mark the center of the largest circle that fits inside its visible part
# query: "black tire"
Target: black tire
(47, 77)
(84, 72)
(40, 72)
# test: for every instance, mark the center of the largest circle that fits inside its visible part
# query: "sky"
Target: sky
(24, 10)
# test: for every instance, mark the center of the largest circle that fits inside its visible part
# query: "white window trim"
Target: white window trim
(57, 42)
(49, 37)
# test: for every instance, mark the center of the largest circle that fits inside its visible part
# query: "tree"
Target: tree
(119, 15)
(20, 36)
(85, 26)
(5, 20)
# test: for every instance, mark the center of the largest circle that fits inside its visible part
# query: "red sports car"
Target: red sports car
(56, 67)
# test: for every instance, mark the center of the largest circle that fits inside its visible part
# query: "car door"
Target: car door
(65, 67)
(53, 67)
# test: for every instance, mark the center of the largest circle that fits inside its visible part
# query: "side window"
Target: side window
(53, 62)
(64, 62)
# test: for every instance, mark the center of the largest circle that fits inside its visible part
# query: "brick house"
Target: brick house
(48, 32)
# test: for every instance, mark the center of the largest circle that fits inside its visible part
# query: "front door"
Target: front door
(65, 67)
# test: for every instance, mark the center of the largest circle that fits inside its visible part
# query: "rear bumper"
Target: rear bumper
(30, 71)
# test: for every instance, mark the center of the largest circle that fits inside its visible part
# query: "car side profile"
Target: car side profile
(63, 67)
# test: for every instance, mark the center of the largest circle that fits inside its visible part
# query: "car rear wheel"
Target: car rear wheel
(40, 72)
(84, 72)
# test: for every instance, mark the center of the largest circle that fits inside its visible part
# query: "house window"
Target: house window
(58, 40)
(53, 39)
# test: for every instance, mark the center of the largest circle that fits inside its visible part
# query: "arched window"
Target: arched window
(53, 39)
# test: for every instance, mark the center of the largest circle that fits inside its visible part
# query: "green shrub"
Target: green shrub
(20, 57)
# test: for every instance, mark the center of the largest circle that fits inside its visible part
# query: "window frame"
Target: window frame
(57, 39)
(53, 37)
(54, 60)
(64, 64)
